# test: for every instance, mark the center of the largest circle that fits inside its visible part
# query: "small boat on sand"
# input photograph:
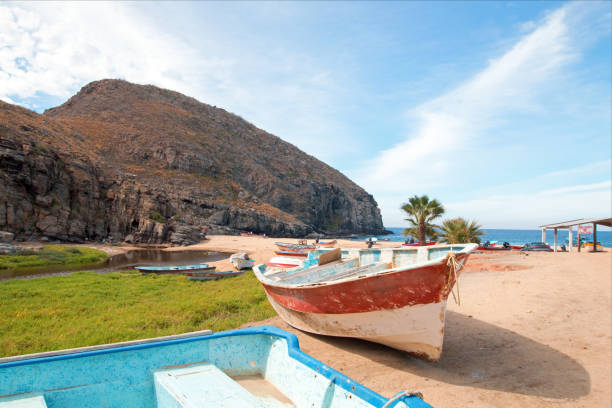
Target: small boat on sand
(284, 246)
(416, 244)
(177, 269)
(291, 254)
(493, 248)
(212, 275)
(284, 262)
(241, 261)
(253, 367)
(392, 296)
(326, 244)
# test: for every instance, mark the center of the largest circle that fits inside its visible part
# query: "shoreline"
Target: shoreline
(534, 329)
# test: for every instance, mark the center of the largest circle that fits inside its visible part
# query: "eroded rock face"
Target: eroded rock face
(120, 161)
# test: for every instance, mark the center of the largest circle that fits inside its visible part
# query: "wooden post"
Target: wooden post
(571, 239)
(543, 234)
(594, 237)
(555, 240)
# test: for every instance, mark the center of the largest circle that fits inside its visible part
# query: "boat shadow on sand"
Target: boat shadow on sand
(482, 355)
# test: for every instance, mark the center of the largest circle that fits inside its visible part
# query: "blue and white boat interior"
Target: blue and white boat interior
(255, 367)
(361, 260)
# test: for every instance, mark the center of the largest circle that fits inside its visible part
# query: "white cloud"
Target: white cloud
(450, 124)
(530, 210)
(587, 169)
(56, 48)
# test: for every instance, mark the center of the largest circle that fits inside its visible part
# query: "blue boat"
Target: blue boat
(175, 269)
(254, 367)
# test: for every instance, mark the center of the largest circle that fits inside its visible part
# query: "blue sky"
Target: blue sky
(500, 110)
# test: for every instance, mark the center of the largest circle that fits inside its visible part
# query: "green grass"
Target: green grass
(51, 255)
(87, 308)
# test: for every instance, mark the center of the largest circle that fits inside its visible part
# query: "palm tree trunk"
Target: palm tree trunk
(422, 232)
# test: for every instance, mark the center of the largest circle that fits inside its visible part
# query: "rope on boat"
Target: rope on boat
(400, 395)
(453, 267)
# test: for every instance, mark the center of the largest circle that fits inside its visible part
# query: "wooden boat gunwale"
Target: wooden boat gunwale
(398, 269)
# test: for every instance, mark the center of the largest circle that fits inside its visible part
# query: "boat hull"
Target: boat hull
(175, 270)
(300, 255)
(403, 308)
(285, 262)
(421, 331)
(326, 244)
(203, 276)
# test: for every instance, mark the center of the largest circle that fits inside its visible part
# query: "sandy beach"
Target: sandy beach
(532, 330)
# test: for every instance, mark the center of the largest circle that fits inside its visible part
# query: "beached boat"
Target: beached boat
(241, 264)
(291, 254)
(537, 247)
(211, 275)
(326, 244)
(241, 261)
(176, 269)
(494, 248)
(284, 262)
(393, 296)
(254, 367)
(284, 246)
(590, 245)
(416, 244)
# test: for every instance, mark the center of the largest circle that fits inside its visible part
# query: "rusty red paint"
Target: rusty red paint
(281, 265)
(292, 254)
(393, 290)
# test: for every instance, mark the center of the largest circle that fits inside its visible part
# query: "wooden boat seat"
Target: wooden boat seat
(373, 268)
(199, 386)
(31, 401)
(314, 272)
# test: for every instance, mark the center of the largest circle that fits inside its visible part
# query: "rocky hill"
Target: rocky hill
(120, 160)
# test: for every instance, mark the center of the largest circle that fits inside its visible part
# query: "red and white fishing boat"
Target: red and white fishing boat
(286, 246)
(392, 296)
(291, 254)
(326, 244)
(284, 262)
(416, 244)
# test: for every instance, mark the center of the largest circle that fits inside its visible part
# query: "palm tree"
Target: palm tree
(421, 211)
(459, 230)
(413, 231)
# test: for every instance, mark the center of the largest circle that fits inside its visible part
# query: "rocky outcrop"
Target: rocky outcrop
(123, 161)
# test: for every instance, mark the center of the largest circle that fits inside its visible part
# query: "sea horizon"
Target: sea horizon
(514, 236)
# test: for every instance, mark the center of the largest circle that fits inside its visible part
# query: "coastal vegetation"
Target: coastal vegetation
(458, 230)
(87, 308)
(421, 212)
(50, 255)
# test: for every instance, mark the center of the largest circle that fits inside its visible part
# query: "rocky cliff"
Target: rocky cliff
(120, 160)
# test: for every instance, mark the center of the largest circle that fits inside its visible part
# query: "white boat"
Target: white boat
(392, 296)
(241, 261)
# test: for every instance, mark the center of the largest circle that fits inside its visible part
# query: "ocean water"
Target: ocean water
(516, 237)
